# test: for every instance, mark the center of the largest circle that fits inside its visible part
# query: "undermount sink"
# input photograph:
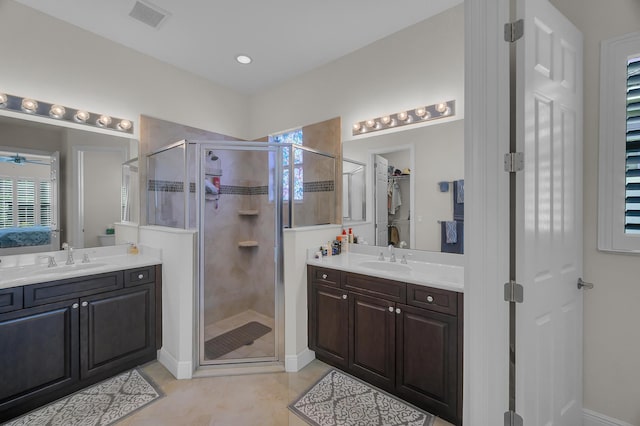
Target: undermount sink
(68, 268)
(379, 265)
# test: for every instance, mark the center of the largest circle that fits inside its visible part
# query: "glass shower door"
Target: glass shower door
(239, 228)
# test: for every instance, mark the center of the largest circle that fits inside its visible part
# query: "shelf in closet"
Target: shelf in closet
(247, 244)
(248, 212)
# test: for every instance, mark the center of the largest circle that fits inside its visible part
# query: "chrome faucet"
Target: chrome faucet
(51, 259)
(393, 254)
(69, 250)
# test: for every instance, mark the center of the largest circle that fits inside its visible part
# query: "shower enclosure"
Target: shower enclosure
(237, 195)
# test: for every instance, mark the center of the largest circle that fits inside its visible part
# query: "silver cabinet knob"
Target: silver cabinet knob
(398, 310)
(85, 303)
(140, 276)
(430, 299)
(75, 306)
(324, 276)
(344, 296)
(390, 308)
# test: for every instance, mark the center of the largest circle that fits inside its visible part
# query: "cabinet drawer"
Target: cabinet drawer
(373, 286)
(38, 294)
(433, 299)
(325, 276)
(10, 299)
(133, 277)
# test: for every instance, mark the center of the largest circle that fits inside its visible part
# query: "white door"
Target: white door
(549, 218)
(381, 200)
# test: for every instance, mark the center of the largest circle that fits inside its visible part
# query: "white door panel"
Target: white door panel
(549, 224)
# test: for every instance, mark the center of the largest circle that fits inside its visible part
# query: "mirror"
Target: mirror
(413, 209)
(88, 195)
(354, 183)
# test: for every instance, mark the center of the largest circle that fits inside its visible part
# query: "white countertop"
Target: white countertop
(19, 270)
(446, 277)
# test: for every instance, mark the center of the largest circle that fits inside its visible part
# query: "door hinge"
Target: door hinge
(513, 31)
(511, 418)
(513, 292)
(514, 162)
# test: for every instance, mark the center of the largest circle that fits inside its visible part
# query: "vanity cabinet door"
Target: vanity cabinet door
(427, 360)
(329, 324)
(116, 328)
(38, 354)
(372, 339)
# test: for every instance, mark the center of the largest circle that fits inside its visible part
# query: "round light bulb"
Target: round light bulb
(421, 112)
(103, 121)
(356, 127)
(371, 123)
(385, 120)
(244, 59)
(4, 99)
(57, 111)
(441, 107)
(402, 116)
(29, 105)
(81, 116)
(125, 125)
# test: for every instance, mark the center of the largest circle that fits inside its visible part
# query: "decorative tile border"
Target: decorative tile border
(175, 186)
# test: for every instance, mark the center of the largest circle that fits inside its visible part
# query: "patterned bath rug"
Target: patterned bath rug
(104, 403)
(338, 399)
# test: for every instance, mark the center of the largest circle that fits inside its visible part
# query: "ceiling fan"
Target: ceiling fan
(20, 160)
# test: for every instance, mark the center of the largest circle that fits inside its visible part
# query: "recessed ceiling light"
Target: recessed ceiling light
(244, 59)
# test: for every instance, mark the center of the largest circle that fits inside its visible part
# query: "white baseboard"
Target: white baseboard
(591, 418)
(180, 370)
(294, 363)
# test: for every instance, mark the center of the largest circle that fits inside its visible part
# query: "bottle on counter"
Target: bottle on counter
(351, 237)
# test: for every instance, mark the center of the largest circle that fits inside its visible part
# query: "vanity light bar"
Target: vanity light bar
(404, 118)
(59, 112)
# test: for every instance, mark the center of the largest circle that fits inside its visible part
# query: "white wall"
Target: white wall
(423, 64)
(81, 70)
(611, 314)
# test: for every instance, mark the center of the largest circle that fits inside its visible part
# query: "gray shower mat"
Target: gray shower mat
(234, 339)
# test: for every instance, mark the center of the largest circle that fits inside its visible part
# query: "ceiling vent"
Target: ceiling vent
(148, 13)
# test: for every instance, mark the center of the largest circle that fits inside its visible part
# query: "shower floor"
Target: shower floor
(260, 348)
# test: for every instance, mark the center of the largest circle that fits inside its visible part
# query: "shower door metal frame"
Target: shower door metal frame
(278, 301)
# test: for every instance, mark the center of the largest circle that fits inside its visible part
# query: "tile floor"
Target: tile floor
(262, 347)
(248, 400)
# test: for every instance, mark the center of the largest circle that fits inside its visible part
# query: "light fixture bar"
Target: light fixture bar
(62, 113)
(404, 118)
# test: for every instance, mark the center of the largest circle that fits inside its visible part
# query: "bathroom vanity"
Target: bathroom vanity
(403, 337)
(60, 335)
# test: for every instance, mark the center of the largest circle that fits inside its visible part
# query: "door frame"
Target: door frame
(412, 187)
(75, 234)
(486, 100)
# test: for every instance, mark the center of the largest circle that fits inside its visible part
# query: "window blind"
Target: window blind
(6, 203)
(26, 199)
(45, 203)
(632, 166)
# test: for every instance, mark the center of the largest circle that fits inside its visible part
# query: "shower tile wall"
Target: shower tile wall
(318, 206)
(239, 279)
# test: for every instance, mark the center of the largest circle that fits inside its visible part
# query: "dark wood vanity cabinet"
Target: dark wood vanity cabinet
(403, 338)
(71, 333)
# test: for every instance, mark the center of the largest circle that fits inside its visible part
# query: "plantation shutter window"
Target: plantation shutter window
(632, 165)
(6, 203)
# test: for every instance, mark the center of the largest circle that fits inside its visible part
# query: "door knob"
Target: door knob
(584, 284)
(75, 306)
(398, 310)
(390, 308)
(430, 299)
(344, 296)
(85, 303)
(324, 276)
